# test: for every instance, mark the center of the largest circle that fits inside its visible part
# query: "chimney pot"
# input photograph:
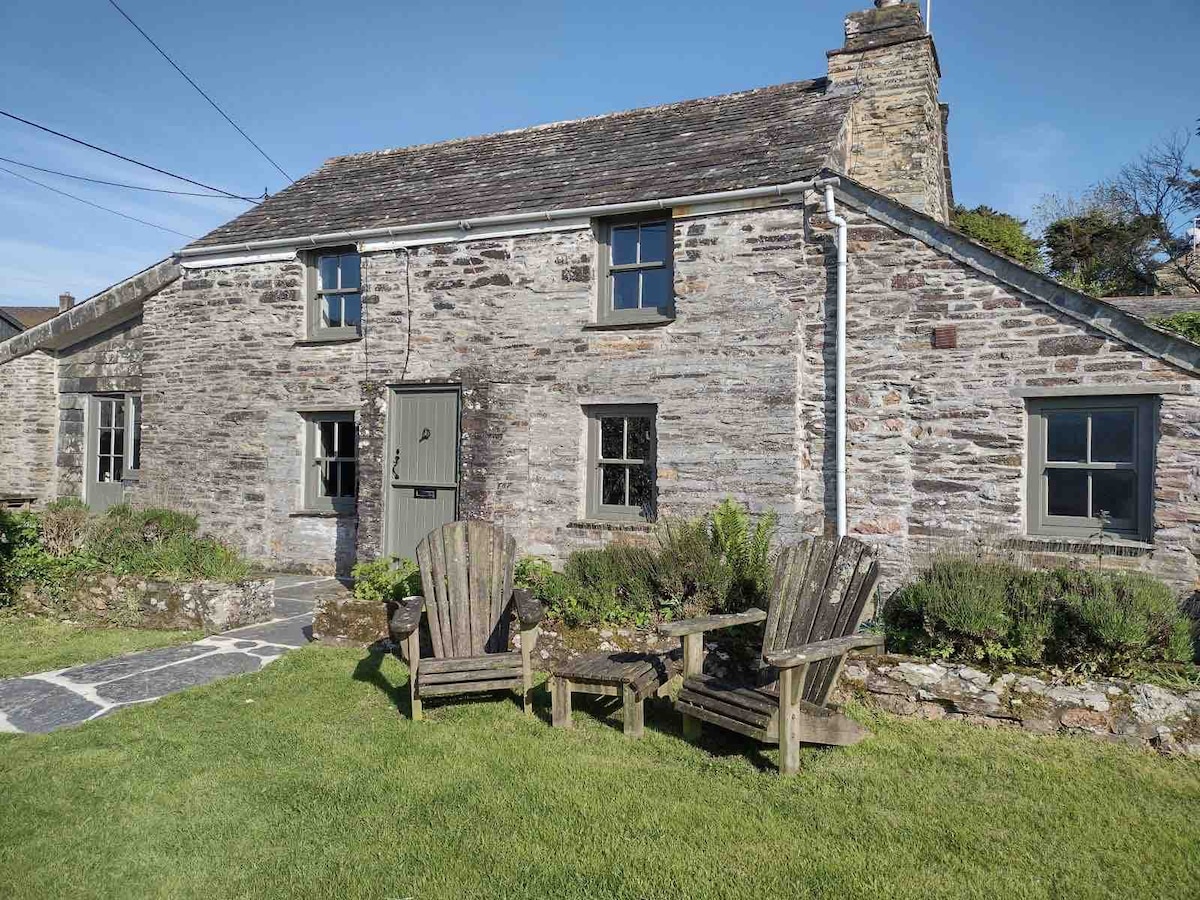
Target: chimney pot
(883, 4)
(65, 302)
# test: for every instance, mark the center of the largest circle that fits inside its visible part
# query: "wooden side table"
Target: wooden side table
(631, 676)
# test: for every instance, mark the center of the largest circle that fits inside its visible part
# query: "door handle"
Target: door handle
(395, 464)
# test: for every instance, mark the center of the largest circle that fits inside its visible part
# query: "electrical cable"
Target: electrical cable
(96, 205)
(127, 159)
(199, 90)
(120, 184)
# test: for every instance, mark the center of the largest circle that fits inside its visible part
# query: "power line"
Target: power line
(97, 205)
(127, 159)
(120, 184)
(200, 90)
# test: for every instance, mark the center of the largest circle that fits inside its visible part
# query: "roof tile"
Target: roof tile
(766, 136)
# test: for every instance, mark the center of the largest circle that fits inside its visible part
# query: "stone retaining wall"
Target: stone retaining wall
(142, 603)
(1108, 709)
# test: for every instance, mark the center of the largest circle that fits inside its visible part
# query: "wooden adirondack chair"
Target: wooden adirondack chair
(467, 576)
(817, 598)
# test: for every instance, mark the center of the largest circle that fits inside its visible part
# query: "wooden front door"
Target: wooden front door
(421, 467)
(104, 462)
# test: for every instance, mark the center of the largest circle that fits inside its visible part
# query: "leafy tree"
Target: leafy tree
(1131, 233)
(1102, 254)
(999, 231)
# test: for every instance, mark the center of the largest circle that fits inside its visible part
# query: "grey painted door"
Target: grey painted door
(104, 462)
(422, 465)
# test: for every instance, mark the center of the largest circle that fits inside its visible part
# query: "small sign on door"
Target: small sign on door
(424, 493)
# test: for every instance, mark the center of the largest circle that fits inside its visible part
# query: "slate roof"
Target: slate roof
(29, 316)
(1153, 307)
(765, 136)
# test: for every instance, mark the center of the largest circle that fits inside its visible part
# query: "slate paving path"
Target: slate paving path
(50, 700)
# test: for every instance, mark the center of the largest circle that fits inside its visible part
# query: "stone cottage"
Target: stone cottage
(580, 328)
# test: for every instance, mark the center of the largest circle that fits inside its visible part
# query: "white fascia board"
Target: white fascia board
(235, 259)
(481, 233)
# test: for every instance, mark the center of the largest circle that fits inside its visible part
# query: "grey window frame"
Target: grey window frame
(605, 313)
(133, 436)
(313, 501)
(121, 402)
(1038, 520)
(317, 331)
(601, 511)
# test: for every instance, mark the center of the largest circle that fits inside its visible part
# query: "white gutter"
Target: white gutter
(840, 438)
(464, 226)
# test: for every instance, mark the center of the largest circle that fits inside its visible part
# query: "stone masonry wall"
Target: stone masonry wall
(225, 375)
(27, 426)
(936, 437)
(109, 362)
(226, 371)
(897, 128)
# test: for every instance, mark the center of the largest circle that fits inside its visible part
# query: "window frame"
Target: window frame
(313, 501)
(606, 314)
(1038, 520)
(133, 436)
(594, 508)
(315, 293)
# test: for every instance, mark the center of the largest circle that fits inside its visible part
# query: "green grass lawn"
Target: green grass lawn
(306, 781)
(39, 645)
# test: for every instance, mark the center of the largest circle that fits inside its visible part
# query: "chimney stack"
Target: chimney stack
(896, 141)
(65, 302)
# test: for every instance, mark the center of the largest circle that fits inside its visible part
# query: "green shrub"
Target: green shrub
(386, 579)
(746, 547)
(720, 561)
(689, 574)
(1186, 324)
(19, 541)
(64, 526)
(1085, 620)
(64, 543)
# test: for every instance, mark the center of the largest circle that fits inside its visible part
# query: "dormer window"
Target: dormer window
(636, 275)
(335, 294)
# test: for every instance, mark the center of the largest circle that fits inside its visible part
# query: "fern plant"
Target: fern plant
(745, 545)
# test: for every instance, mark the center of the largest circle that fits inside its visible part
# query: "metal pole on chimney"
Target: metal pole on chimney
(928, 16)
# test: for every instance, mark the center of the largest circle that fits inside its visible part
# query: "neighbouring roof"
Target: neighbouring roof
(762, 137)
(1153, 307)
(112, 306)
(28, 316)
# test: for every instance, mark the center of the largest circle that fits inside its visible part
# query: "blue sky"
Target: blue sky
(1044, 96)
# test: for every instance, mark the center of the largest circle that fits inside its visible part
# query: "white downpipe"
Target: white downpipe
(840, 402)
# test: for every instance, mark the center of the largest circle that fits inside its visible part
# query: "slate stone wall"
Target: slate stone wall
(226, 373)
(109, 362)
(742, 381)
(224, 377)
(936, 437)
(27, 426)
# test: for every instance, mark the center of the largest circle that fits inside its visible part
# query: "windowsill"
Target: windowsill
(636, 323)
(330, 339)
(1114, 546)
(611, 525)
(323, 514)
